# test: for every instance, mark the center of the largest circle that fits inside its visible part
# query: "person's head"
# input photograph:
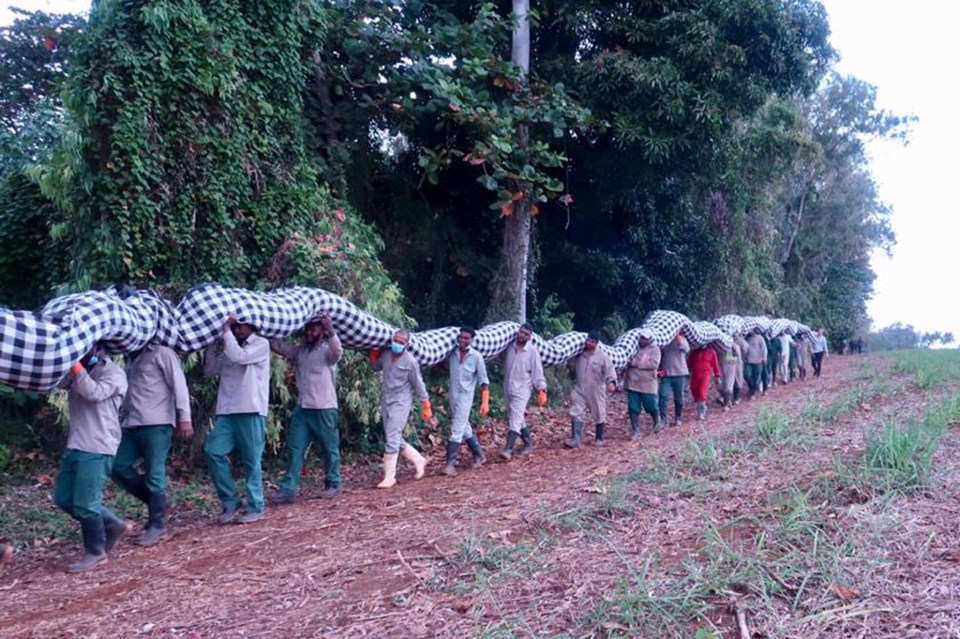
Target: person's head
(646, 337)
(399, 342)
(820, 331)
(242, 331)
(524, 333)
(467, 333)
(312, 333)
(593, 338)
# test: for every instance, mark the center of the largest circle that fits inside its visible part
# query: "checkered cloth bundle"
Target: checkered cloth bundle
(36, 352)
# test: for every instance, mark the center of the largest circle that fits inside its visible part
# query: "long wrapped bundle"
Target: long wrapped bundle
(36, 352)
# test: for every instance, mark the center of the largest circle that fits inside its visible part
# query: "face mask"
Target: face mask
(397, 348)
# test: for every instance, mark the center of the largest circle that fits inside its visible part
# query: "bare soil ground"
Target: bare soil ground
(562, 543)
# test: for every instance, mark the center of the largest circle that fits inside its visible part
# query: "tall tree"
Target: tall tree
(509, 289)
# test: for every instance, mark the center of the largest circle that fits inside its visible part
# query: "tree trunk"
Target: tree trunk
(508, 295)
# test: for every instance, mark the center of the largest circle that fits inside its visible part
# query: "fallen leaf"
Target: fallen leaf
(844, 593)
(463, 605)
(44, 480)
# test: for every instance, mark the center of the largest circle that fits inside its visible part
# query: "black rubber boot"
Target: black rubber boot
(678, 414)
(138, 490)
(477, 450)
(453, 449)
(574, 441)
(657, 423)
(525, 436)
(507, 451)
(598, 438)
(94, 545)
(156, 520)
(634, 426)
(114, 527)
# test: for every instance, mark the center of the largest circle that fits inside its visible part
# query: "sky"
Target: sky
(909, 52)
(909, 55)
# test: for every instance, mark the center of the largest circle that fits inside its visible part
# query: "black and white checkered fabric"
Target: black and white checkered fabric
(666, 325)
(37, 351)
(730, 324)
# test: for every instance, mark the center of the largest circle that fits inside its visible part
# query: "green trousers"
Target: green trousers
(307, 424)
(247, 433)
(152, 445)
(643, 402)
(674, 385)
(79, 488)
(753, 375)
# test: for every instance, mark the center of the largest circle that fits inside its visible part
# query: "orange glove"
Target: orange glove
(77, 369)
(541, 398)
(427, 411)
(484, 402)
(374, 356)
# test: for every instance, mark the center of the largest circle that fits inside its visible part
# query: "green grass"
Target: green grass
(702, 456)
(929, 368)
(774, 427)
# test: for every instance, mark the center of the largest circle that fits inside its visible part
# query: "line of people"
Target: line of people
(119, 418)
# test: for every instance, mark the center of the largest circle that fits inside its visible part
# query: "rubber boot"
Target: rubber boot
(477, 450)
(413, 456)
(678, 414)
(140, 492)
(701, 411)
(574, 441)
(114, 528)
(94, 545)
(598, 437)
(453, 449)
(156, 520)
(657, 423)
(389, 471)
(527, 446)
(634, 426)
(507, 451)
(727, 401)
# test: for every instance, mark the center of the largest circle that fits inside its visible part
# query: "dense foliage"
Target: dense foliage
(698, 155)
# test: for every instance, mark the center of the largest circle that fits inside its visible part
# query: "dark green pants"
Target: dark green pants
(307, 424)
(79, 488)
(247, 433)
(753, 374)
(673, 385)
(152, 445)
(643, 402)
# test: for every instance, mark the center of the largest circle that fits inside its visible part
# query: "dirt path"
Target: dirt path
(370, 563)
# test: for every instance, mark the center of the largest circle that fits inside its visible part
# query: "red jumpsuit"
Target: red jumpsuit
(701, 363)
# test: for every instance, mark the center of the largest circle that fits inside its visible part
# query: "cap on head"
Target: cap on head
(646, 333)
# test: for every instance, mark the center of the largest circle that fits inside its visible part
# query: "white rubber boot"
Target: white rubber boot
(389, 471)
(413, 456)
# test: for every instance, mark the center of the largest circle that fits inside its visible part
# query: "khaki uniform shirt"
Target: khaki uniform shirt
(316, 371)
(522, 371)
(673, 357)
(93, 404)
(401, 377)
(593, 372)
(157, 389)
(244, 375)
(642, 370)
(756, 350)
